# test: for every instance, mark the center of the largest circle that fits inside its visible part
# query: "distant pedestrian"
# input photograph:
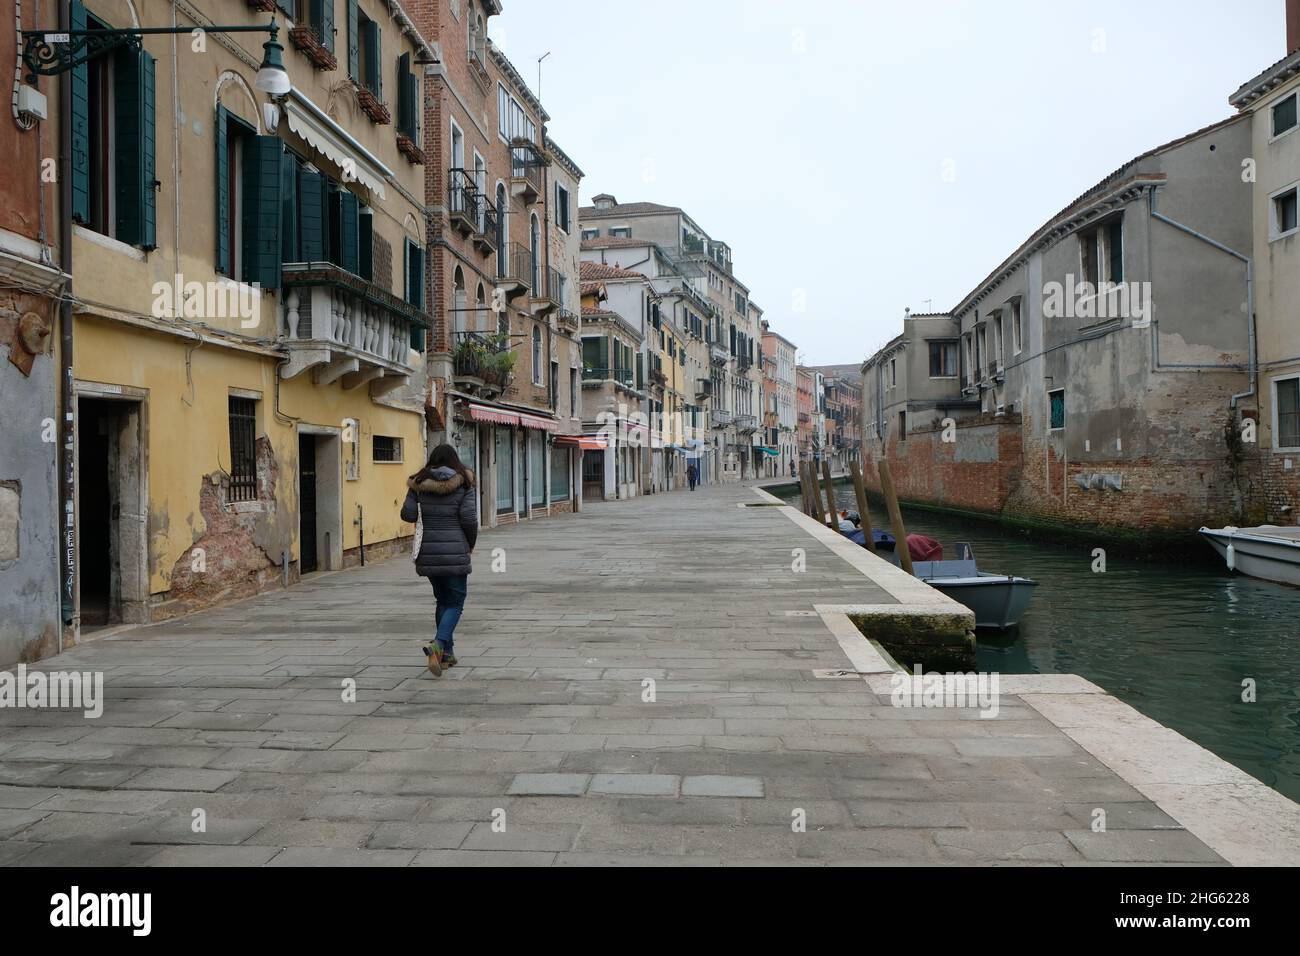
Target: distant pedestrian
(792, 471)
(693, 475)
(440, 503)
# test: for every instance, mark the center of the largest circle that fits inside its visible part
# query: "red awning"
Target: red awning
(542, 424)
(586, 442)
(486, 413)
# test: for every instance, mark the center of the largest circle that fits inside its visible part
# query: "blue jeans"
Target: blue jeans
(450, 592)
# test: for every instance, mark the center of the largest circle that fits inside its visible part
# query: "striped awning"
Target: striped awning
(541, 424)
(497, 416)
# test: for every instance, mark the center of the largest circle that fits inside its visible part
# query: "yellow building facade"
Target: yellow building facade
(249, 318)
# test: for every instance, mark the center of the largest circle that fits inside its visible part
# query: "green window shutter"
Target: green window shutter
(288, 207)
(415, 288)
(349, 254)
(322, 15)
(261, 217)
(354, 47)
(133, 101)
(1115, 242)
(80, 126)
(370, 38)
(366, 245)
(311, 215)
(413, 99)
(405, 107)
(223, 192)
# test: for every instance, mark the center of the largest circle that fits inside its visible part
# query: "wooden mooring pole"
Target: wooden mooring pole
(860, 489)
(832, 518)
(895, 516)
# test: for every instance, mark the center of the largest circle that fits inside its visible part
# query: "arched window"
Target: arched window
(537, 355)
(503, 233)
(460, 302)
(480, 310)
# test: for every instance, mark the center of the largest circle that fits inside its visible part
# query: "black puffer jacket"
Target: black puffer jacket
(446, 501)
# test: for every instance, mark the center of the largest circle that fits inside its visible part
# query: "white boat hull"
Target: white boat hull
(1269, 553)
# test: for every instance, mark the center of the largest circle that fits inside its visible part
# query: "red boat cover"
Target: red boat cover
(922, 548)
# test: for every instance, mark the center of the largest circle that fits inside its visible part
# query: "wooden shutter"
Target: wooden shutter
(311, 215)
(373, 43)
(222, 192)
(261, 215)
(405, 105)
(349, 253)
(133, 109)
(80, 171)
(322, 14)
(288, 207)
(354, 41)
(366, 245)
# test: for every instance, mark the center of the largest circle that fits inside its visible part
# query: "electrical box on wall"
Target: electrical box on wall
(31, 102)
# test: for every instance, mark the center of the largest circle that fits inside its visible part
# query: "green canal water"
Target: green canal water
(1174, 637)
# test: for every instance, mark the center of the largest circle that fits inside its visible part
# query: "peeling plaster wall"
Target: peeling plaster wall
(29, 501)
(189, 461)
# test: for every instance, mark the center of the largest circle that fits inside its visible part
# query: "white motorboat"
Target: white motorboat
(1270, 552)
(998, 600)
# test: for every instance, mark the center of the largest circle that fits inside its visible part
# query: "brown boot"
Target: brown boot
(434, 656)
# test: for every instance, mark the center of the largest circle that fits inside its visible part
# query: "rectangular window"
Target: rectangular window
(113, 139)
(1284, 115)
(590, 234)
(943, 359)
(386, 448)
(503, 441)
(1090, 256)
(1057, 405)
(1017, 333)
(1285, 212)
(408, 100)
(1115, 251)
(562, 208)
(621, 232)
(902, 426)
(243, 449)
(560, 458)
(1288, 413)
(536, 469)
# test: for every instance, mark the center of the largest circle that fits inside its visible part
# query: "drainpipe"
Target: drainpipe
(67, 456)
(1250, 292)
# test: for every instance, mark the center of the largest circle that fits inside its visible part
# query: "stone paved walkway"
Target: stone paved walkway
(238, 712)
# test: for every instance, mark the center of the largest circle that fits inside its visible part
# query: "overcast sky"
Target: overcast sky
(865, 157)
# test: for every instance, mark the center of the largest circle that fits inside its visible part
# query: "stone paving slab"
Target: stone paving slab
(638, 687)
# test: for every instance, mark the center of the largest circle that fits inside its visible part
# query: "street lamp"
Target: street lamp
(49, 53)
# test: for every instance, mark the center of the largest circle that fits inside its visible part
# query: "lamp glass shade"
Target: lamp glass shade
(273, 80)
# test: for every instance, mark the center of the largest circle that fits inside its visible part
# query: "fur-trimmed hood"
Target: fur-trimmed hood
(442, 481)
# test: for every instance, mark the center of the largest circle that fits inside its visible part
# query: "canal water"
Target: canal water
(1173, 637)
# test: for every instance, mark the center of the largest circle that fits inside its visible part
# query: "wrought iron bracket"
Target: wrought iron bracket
(51, 52)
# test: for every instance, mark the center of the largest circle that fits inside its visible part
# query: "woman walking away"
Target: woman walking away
(440, 503)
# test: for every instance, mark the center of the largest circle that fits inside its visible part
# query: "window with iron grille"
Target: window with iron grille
(1057, 400)
(243, 449)
(386, 448)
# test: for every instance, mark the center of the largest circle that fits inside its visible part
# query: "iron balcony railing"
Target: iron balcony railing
(488, 221)
(515, 262)
(526, 164)
(462, 196)
(478, 354)
(553, 286)
(623, 376)
(720, 417)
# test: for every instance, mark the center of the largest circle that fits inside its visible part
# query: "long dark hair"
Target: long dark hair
(444, 456)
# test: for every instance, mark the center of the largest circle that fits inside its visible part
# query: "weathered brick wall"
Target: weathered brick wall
(977, 472)
(1280, 488)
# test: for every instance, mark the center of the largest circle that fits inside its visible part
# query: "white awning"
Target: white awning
(333, 142)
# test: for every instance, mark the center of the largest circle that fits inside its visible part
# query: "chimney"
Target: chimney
(1292, 25)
